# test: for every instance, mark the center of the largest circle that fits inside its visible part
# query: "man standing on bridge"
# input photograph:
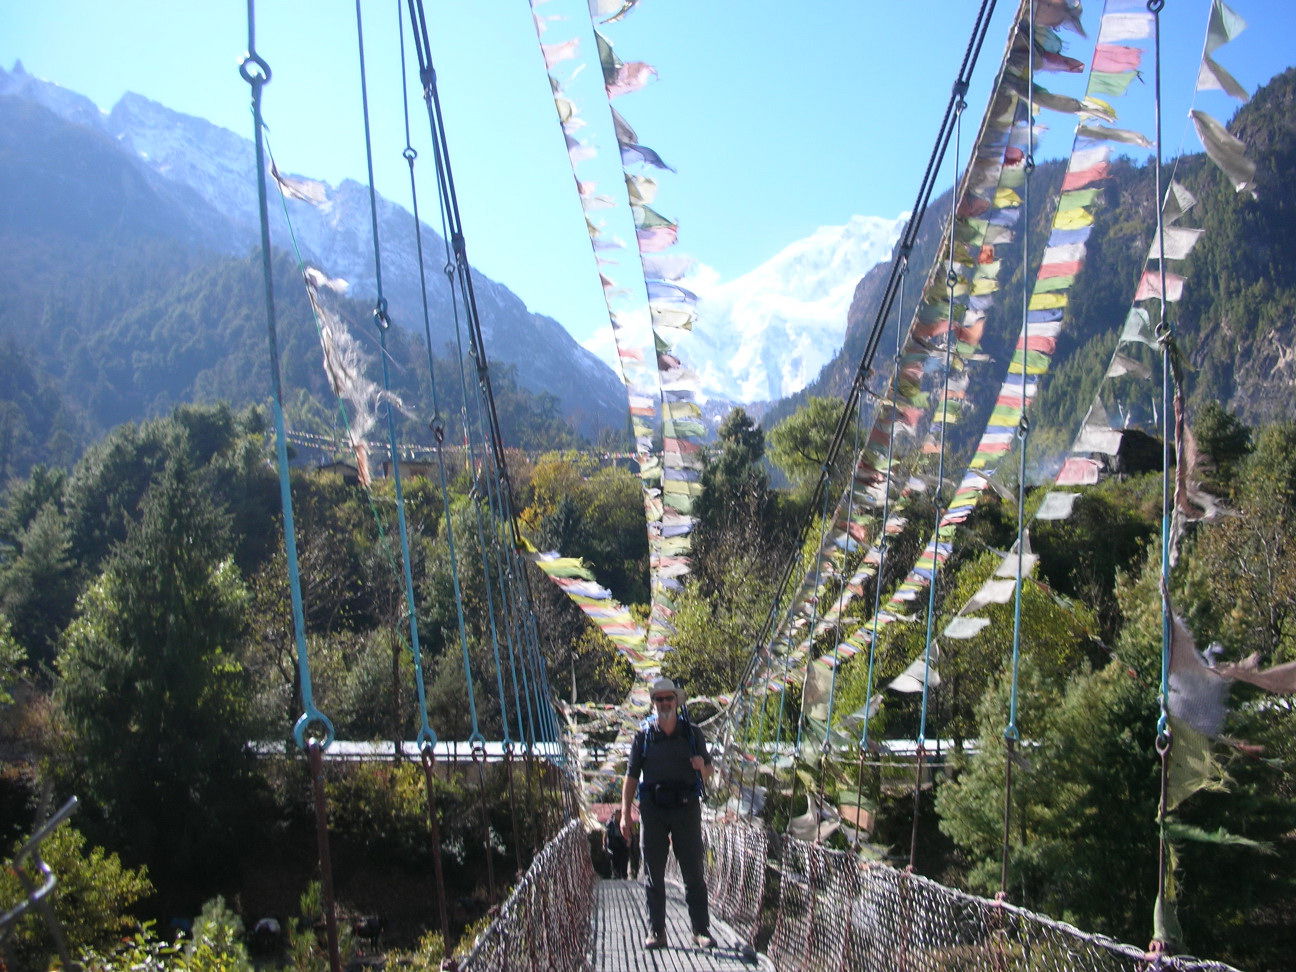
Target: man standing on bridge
(670, 753)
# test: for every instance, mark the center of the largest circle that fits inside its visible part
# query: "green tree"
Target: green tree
(218, 940)
(615, 543)
(714, 636)
(153, 694)
(38, 587)
(1224, 441)
(92, 901)
(563, 529)
(1240, 581)
(799, 444)
(1083, 844)
(12, 660)
(1082, 555)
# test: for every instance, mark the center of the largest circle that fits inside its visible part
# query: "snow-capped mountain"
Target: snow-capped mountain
(766, 334)
(332, 227)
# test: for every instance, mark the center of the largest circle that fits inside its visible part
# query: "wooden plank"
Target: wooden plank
(620, 925)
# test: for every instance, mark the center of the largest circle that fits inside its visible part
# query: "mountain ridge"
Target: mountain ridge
(200, 160)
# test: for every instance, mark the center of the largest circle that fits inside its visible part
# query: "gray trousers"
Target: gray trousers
(679, 828)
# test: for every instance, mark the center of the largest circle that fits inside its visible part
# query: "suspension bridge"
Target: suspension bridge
(795, 897)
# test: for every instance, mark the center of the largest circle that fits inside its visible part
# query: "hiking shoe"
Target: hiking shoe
(655, 940)
(704, 940)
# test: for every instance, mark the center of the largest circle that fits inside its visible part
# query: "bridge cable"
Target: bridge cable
(256, 72)
(814, 616)
(951, 280)
(826, 748)
(476, 740)
(884, 545)
(1012, 733)
(427, 753)
(438, 428)
(458, 267)
(540, 709)
(826, 516)
(1165, 336)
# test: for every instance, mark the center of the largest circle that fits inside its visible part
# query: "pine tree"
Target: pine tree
(152, 691)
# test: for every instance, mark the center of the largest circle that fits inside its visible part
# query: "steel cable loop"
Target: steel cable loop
(315, 755)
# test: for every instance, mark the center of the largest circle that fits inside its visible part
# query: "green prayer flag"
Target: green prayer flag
(1110, 82)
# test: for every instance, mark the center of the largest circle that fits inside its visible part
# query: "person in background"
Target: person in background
(617, 845)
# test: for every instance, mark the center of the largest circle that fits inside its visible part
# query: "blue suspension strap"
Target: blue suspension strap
(382, 321)
(256, 72)
(1011, 733)
(344, 422)
(951, 280)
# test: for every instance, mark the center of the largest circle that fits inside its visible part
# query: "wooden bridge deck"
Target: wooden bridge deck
(619, 930)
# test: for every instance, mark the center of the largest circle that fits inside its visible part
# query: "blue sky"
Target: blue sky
(779, 116)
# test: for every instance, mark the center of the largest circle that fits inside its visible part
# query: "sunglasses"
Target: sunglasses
(663, 698)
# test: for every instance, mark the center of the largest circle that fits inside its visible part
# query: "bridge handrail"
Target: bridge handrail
(547, 921)
(840, 911)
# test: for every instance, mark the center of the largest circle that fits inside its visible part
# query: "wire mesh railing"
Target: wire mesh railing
(830, 911)
(546, 922)
(837, 911)
(736, 872)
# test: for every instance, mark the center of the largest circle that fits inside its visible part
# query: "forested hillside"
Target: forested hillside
(1235, 323)
(146, 640)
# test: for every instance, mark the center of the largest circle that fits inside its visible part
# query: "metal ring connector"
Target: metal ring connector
(258, 77)
(409, 154)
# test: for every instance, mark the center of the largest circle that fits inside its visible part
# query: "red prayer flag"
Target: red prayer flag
(1150, 286)
(1077, 471)
(1116, 58)
(1034, 342)
(1084, 177)
(1066, 268)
